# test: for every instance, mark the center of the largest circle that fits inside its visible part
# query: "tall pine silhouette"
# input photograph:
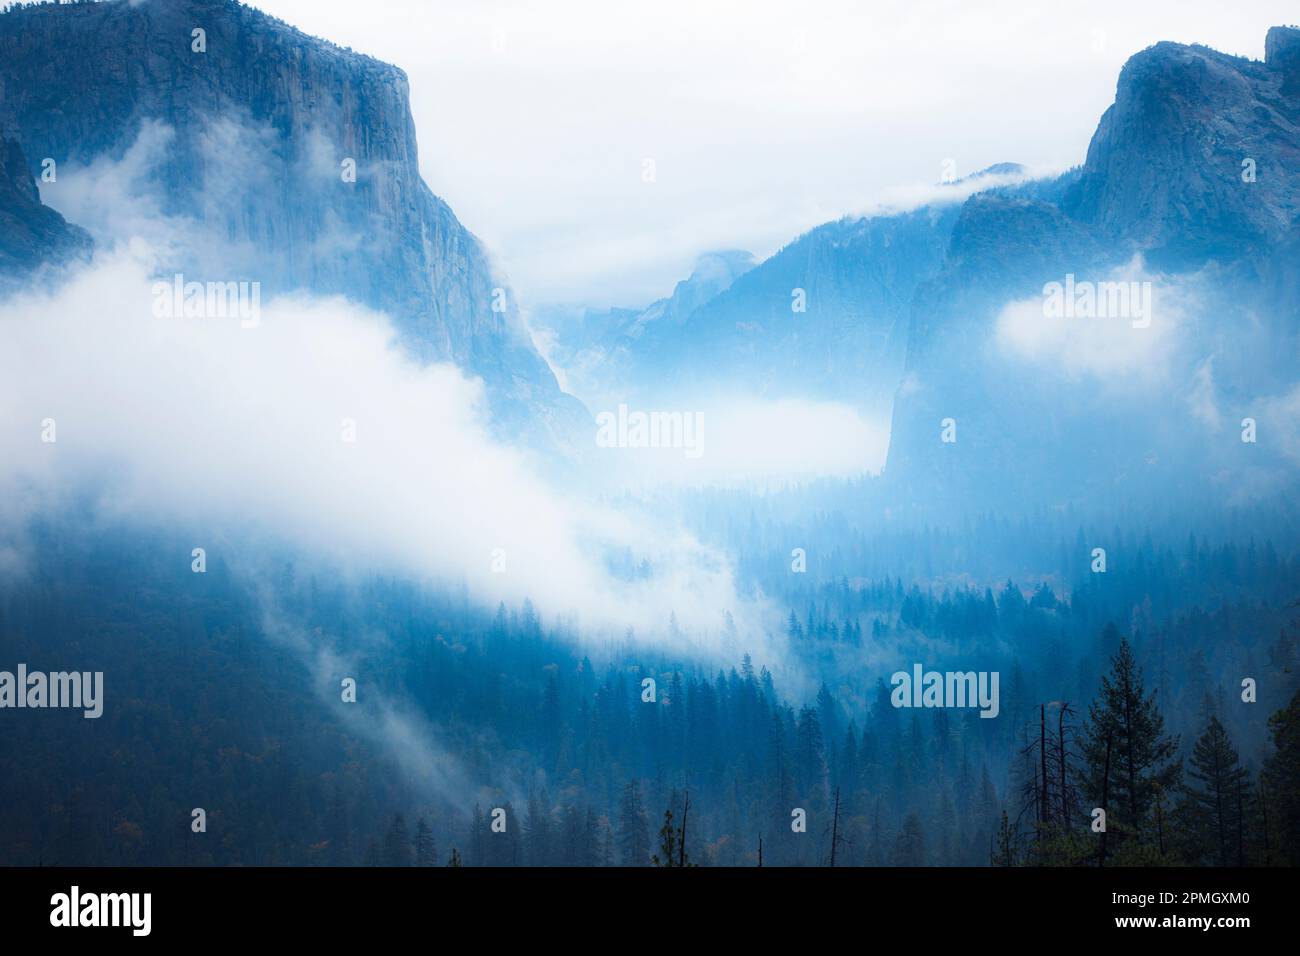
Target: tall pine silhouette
(1141, 767)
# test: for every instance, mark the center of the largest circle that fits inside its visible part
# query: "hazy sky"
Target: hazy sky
(762, 118)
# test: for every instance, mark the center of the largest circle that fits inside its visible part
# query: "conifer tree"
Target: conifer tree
(1004, 853)
(909, 849)
(1281, 781)
(1142, 762)
(667, 855)
(633, 829)
(397, 844)
(426, 854)
(1214, 797)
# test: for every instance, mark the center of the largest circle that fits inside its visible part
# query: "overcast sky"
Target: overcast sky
(762, 119)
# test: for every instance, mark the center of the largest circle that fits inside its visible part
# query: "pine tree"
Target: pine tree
(633, 829)
(426, 854)
(1280, 785)
(909, 849)
(455, 858)
(478, 838)
(810, 755)
(537, 832)
(605, 842)
(876, 848)
(667, 855)
(397, 844)
(672, 841)
(1141, 761)
(1210, 812)
(1004, 854)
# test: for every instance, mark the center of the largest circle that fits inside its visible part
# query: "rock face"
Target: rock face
(251, 130)
(1282, 54)
(31, 234)
(1055, 412)
(1164, 170)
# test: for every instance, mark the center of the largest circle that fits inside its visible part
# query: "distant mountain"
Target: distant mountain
(600, 348)
(826, 316)
(251, 138)
(1189, 195)
(1191, 184)
(822, 316)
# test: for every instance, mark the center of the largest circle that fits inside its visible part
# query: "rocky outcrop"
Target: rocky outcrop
(254, 131)
(1282, 53)
(1199, 157)
(31, 234)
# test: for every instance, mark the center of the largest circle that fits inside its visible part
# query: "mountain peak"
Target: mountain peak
(1282, 46)
(1282, 54)
(283, 145)
(723, 265)
(1197, 157)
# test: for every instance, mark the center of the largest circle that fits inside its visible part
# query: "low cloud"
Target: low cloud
(185, 422)
(749, 442)
(1121, 327)
(1278, 424)
(911, 196)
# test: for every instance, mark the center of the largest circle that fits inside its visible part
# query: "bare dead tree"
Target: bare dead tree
(1105, 801)
(1063, 751)
(835, 826)
(1063, 754)
(681, 849)
(1050, 760)
(1045, 815)
(1241, 816)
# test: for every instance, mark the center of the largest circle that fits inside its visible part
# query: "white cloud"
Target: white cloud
(748, 442)
(1132, 344)
(1203, 398)
(200, 422)
(1278, 424)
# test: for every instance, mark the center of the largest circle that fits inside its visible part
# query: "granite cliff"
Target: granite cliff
(296, 160)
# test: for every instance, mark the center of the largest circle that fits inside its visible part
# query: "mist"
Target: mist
(315, 428)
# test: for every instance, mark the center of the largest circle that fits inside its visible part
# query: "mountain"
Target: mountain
(600, 348)
(243, 137)
(826, 316)
(1063, 411)
(1164, 169)
(31, 234)
(821, 317)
